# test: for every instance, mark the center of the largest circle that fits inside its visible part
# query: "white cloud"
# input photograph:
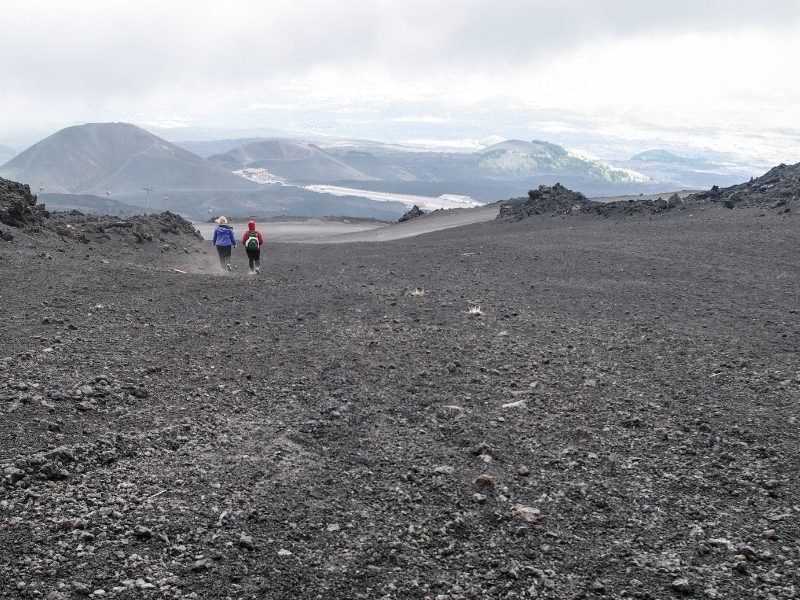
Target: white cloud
(421, 119)
(455, 145)
(624, 67)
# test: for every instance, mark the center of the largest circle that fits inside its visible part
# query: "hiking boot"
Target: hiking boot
(258, 269)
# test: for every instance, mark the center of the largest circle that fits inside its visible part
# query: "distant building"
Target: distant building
(258, 175)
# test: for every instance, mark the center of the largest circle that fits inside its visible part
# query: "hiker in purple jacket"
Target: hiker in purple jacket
(225, 240)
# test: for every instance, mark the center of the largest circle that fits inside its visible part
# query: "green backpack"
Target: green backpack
(252, 241)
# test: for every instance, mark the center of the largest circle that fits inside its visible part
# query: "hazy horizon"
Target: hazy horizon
(604, 80)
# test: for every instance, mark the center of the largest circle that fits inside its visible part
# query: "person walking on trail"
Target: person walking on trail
(252, 241)
(225, 240)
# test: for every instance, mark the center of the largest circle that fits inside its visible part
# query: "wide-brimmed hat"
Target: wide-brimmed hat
(222, 221)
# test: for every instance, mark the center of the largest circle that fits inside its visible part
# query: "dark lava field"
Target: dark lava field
(568, 406)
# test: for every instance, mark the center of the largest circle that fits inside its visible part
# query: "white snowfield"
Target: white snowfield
(426, 203)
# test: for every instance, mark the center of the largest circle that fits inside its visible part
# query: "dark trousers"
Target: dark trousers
(224, 255)
(253, 257)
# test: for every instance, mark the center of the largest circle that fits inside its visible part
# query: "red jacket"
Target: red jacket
(251, 226)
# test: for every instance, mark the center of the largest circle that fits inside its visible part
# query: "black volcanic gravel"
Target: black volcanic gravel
(619, 422)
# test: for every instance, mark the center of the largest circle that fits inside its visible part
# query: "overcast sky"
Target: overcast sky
(717, 74)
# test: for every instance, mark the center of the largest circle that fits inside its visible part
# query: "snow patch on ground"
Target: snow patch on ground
(426, 203)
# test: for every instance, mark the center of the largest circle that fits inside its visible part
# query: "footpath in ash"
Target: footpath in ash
(564, 406)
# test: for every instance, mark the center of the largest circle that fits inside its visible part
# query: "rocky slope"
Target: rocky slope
(558, 200)
(778, 187)
(560, 407)
(20, 211)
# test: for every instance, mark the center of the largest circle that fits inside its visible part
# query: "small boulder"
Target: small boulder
(682, 586)
(246, 542)
(415, 212)
(526, 514)
(484, 482)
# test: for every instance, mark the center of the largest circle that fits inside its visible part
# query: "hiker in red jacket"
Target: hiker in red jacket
(252, 241)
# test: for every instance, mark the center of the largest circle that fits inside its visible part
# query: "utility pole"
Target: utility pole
(147, 189)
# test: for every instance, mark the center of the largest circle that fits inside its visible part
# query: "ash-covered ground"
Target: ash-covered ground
(566, 406)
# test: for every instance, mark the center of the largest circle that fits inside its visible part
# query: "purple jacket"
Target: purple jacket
(223, 236)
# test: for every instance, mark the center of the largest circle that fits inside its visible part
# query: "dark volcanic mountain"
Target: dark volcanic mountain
(296, 161)
(98, 157)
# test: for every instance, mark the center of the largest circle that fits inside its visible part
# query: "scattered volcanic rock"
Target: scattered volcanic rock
(139, 229)
(559, 200)
(19, 209)
(411, 214)
(777, 187)
(545, 200)
(632, 207)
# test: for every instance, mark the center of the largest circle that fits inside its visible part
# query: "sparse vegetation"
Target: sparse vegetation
(475, 311)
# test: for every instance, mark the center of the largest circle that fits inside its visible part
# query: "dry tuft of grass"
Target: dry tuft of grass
(418, 292)
(475, 311)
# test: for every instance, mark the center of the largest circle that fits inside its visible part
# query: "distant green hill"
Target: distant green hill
(665, 156)
(525, 159)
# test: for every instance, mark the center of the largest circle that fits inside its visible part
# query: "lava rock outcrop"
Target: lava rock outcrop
(777, 187)
(18, 207)
(139, 229)
(545, 200)
(415, 212)
(633, 207)
(559, 200)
